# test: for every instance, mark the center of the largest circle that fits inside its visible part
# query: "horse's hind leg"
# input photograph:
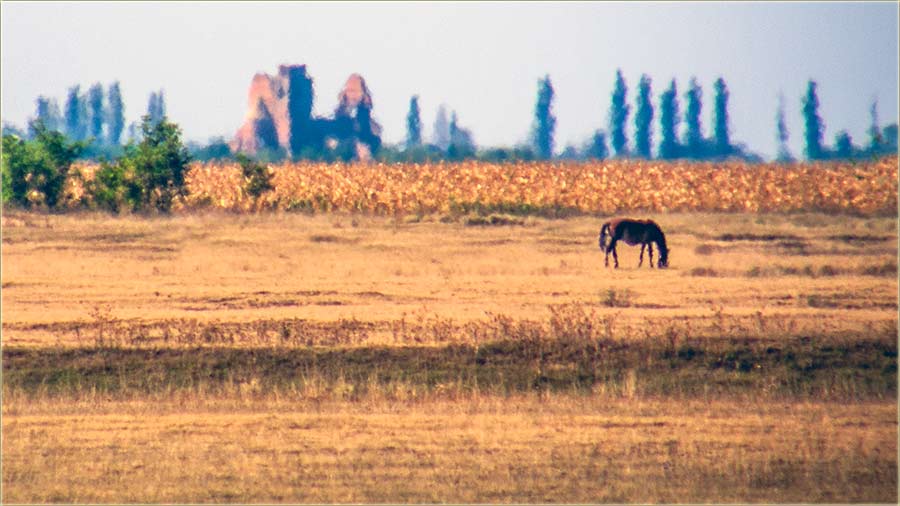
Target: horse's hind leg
(641, 258)
(650, 248)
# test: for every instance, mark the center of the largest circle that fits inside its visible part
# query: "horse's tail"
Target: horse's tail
(604, 233)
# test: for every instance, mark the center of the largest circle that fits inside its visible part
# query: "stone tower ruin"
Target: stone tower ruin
(279, 117)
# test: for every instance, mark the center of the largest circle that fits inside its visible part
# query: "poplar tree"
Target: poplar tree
(156, 106)
(843, 146)
(618, 116)
(781, 133)
(413, 124)
(876, 141)
(73, 113)
(643, 119)
(441, 137)
(721, 135)
(84, 120)
(814, 128)
(598, 149)
(694, 134)
(544, 120)
(669, 148)
(47, 112)
(95, 111)
(115, 114)
(461, 144)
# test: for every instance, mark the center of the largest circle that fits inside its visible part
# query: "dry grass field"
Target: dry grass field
(806, 271)
(290, 357)
(481, 449)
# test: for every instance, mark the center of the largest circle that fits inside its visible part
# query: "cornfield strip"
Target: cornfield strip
(608, 187)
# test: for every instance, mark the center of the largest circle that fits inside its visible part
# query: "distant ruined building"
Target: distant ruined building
(279, 118)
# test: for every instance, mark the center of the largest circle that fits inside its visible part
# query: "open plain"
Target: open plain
(291, 357)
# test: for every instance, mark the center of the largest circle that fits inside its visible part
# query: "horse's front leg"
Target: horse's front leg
(641, 258)
(615, 255)
(650, 248)
(606, 260)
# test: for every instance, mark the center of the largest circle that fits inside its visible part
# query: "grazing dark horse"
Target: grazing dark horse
(633, 232)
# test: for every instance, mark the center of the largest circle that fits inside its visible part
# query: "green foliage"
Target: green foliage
(73, 115)
(114, 188)
(618, 116)
(499, 155)
(544, 120)
(815, 128)
(413, 124)
(669, 148)
(159, 163)
(47, 112)
(10, 129)
(95, 111)
(462, 146)
(115, 114)
(843, 146)
(643, 128)
(34, 171)
(597, 149)
(217, 149)
(257, 178)
(694, 145)
(782, 134)
(721, 136)
(875, 138)
(441, 129)
(156, 107)
(6, 193)
(149, 175)
(343, 151)
(890, 139)
(422, 153)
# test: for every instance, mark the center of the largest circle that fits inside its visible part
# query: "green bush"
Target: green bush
(6, 192)
(150, 175)
(158, 163)
(257, 178)
(34, 172)
(114, 188)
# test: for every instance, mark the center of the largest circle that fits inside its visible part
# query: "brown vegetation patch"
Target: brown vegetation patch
(328, 238)
(706, 272)
(706, 249)
(374, 295)
(105, 248)
(493, 220)
(888, 269)
(845, 301)
(860, 240)
(114, 237)
(491, 242)
(757, 237)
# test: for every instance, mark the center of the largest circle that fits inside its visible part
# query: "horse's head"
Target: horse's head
(663, 261)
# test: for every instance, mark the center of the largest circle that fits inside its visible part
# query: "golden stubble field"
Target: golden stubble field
(816, 271)
(67, 278)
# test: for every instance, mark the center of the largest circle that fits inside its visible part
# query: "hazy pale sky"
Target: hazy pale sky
(482, 60)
